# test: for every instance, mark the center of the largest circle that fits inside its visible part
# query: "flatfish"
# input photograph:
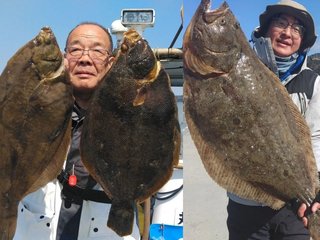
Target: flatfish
(250, 136)
(35, 110)
(131, 137)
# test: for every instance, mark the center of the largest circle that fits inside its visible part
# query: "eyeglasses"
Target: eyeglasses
(297, 30)
(98, 55)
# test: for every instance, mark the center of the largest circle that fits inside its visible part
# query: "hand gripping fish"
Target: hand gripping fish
(35, 111)
(131, 136)
(250, 136)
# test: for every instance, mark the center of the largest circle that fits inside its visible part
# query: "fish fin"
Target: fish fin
(144, 83)
(299, 128)
(177, 144)
(314, 225)
(223, 176)
(140, 97)
(56, 164)
(121, 217)
(7, 227)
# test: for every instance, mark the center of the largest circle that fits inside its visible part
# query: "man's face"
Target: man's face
(285, 40)
(87, 68)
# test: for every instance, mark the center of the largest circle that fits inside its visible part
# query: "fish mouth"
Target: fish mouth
(137, 52)
(207, 14)
(207, 40)
(130, 39)
(206, 5)
(45, 36)
(48, 60)
(210, 15)
(132, 36)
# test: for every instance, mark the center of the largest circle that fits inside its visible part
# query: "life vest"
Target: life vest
(303, 83)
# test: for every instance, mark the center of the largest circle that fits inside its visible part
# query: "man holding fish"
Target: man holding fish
(73, 206)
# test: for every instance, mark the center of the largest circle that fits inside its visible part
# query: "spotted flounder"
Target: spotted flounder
(251, 137)
(131, 136)
(35, 109)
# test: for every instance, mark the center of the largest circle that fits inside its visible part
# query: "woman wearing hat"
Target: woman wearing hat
(282, 41)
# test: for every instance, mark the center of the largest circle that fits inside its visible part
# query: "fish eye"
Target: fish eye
(223, 21)
(237, 25)
(38, 41)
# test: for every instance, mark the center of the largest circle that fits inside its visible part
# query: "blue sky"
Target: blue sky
(21, 20)
(247, 12)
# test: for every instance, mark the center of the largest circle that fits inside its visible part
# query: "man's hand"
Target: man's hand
(302, 209)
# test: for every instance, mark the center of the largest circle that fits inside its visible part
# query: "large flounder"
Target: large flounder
(131, 136)
(250, 136)
(35, 108)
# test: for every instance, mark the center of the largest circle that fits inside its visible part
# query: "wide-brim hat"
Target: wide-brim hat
(294, 9)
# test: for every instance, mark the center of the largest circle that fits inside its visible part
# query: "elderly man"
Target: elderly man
(74, 208)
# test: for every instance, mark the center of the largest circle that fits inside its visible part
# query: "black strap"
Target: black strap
(78, 115)
(168, 194)
(303, 83)
(77, 195)
(294, 204)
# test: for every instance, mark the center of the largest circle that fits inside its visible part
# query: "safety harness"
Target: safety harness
(303, 83)
(76, 194)
(73, 193)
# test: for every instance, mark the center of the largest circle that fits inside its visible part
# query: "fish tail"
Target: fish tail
(314, 225)
(121, 217)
